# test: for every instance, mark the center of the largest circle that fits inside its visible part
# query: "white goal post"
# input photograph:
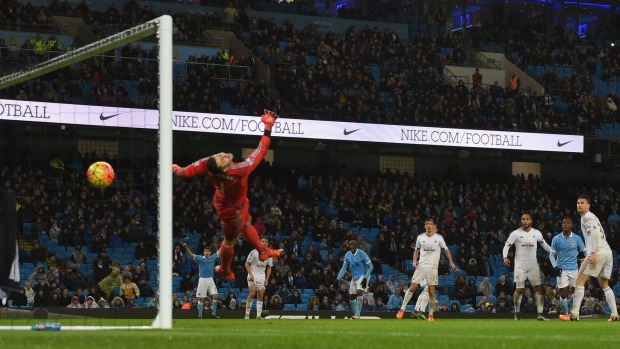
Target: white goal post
(162, 26)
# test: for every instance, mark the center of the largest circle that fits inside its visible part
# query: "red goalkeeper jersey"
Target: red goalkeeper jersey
(231, 187)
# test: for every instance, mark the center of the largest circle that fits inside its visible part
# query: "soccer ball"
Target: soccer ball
(100, 174)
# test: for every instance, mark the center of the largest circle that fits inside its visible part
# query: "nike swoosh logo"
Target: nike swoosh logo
(560, 144)
(106, 117)
(346, 133)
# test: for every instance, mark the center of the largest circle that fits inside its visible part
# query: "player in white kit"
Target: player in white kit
(598, 261)
(428, 248)
(526, 240)
(258, 272)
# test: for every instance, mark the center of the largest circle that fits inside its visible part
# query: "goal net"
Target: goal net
(46, 143)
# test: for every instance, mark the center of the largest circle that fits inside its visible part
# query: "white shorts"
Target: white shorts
(356, 285)
(425, 275)
(258, 282)
(602, 268)
(205, 286)
(568, 277)
(528, 271)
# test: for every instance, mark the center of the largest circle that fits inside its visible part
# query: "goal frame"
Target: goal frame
(162, 27)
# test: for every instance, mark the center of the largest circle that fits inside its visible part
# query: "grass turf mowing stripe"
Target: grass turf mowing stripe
(318, 334)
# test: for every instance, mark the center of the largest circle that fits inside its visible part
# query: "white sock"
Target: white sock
(406, 300)
(517, 299)
(577, 298)
(248, 306)
(259, 308)
(539, 302)
(422, 302)
(611, 301)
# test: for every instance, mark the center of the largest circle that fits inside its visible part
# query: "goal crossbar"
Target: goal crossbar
(96, 48)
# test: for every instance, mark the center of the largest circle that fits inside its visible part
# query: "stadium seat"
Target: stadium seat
(289, 306)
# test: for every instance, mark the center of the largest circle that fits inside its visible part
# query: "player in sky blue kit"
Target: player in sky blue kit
(567, 247)
(361, 267)
(206, 263)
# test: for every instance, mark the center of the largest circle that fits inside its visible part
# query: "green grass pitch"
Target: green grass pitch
(317, 334)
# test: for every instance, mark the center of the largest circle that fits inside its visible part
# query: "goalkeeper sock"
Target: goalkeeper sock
(214, 308)
(406, 300)
(611, 300)
(577, 298)
(564, 304)
(259, 309)
(251, 235)
(539, 302)
(226, 256)
(200, 306)
(360, 301)
(354, 306)
(517, 299)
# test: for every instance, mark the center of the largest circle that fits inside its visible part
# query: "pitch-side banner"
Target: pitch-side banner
(294, 128)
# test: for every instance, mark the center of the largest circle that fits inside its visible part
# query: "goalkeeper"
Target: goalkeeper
(567, 247)
(361, 267)
(230, 180)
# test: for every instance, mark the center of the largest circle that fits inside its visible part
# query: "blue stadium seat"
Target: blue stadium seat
(289, 307)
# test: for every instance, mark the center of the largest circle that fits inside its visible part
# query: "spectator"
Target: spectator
(396, 300)
(38, 254)
(275, 303)
(90, 303)
(504, 286)
(314, 304)
(294, 298)
(111, 281)
(75, 303)
(485, 288)
(54, 299)
(379, 306)
(129, 289)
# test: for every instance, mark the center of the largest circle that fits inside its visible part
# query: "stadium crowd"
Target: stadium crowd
(363, 75)
(309, 215)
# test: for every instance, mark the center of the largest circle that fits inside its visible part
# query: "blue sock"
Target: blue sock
(354, 307)
(200, 308)
(564, 303)
(360, 302)
(214, 308)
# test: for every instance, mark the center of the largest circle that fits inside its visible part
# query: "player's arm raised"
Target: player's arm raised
(189, 250)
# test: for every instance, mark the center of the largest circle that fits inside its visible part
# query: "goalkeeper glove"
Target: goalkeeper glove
(557, 271)
(269, 119)
(177, 170)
